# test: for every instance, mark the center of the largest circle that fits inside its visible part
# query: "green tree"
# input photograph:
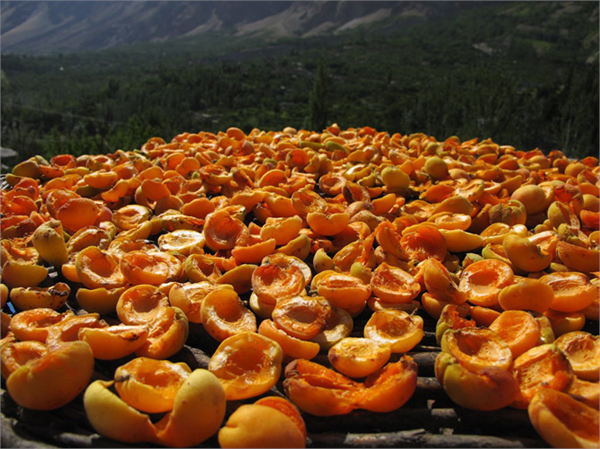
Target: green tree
(318, 109)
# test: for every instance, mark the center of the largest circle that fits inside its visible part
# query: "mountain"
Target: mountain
(63, 26)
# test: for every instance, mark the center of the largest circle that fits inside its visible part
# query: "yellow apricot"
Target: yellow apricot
(253, 425)
(526, 294)
(114, 342)
(53, 380)
(358, 357)
(20, 274)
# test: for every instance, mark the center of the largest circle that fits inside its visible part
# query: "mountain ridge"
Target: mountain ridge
(51, 27)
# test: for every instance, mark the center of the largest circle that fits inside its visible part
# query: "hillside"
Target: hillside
(522, 73)
(51, 27)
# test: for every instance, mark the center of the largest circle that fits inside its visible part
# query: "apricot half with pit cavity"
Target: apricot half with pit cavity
(247, 364)
(54, 379)
(486, 389)
(150, 385)
(562, 421)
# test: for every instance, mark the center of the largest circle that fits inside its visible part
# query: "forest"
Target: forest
(474, 75)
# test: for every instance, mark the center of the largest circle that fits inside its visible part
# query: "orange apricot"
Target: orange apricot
(114, 342)
(15, 354)
(562, 421)
(396, 328)
(77, 213)
(541, 367)
(482, 281)
(477, 347)
(140, 304)
(358, 357)
(247, 365)
(319, 390)
(97, 268)
(572, 291)
(168, 332)
(224, 314)
(423, 242)
(150, 385)
(394, 285)
(526, 294)
(54, 379)
(519, 329)
(271, 282)
(292, 347)
(582, 349)
(302, 317)
(488, 388)
(222, 231)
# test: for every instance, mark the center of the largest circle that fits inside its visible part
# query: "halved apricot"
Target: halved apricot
(585, 391)
(99, 300)
(519, 329)
(15, 354)
(391, 387)
(486, 389)
(358, 357)
(452, 317)
(423, 242)
(562, 421)
(477, 347)
(578, 258)
(302, 317)
(67, 330)
(168, 333)
(526, 294)
(183, 241)
(222, 231)
(396, 328)
(150, 385)
(247, 364)
(224, 314)
(34, 324)
(342, 290)
(54, 379)
(582, 349)
(292, 347)
(114, 342)
(54, 297)
(572, 291)
(140, 304)
(271, 282)
(97, 268)
(259, 425)
(77, 213)
(440, 283)
(22, 274)
(482, 281)
(394, 285)
(319, 390)
(541, 367)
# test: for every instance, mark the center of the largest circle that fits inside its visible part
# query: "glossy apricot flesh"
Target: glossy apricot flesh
(562, 421)
(302, 317)
(541, 367)
(489, 388)
(224, 314)
(358, 357)
(572, 291)
(582, 349)
(477, 348)
(150, 385)
(519, 329)
(247, 364)
(482, 281)
(396, 328)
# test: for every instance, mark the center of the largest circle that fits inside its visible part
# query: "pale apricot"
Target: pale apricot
(358, 357)
(396, 328)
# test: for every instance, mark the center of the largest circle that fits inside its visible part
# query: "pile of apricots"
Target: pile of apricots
(275, 243)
